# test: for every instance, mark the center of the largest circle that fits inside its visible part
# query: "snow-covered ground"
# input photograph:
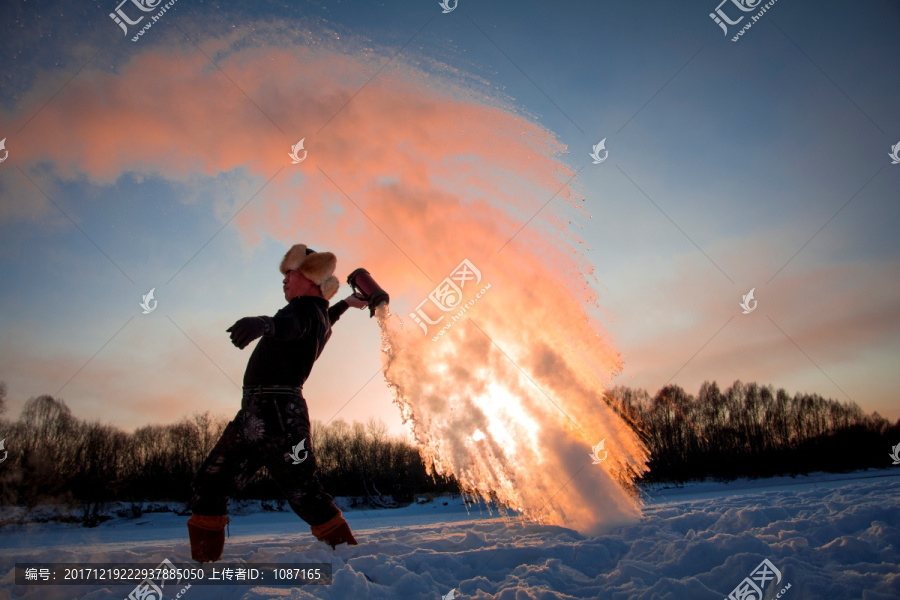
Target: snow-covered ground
(830, 536)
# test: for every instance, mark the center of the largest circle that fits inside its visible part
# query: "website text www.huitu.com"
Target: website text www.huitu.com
(754, 19)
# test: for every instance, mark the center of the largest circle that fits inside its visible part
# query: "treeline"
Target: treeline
(751, 431)
(747, 430)
(54, 457)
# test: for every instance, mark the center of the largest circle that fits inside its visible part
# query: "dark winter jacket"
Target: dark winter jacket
(335, 312)
(302, 328)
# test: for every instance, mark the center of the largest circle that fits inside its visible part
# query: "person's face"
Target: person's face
(296, 284)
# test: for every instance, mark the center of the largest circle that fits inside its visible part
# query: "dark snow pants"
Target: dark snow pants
(270, 430)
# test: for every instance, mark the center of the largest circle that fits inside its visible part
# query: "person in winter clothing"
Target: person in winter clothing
(272, 428)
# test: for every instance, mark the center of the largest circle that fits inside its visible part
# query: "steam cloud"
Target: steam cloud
(414, 174)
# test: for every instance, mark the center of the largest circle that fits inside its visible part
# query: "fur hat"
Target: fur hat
(318, 267)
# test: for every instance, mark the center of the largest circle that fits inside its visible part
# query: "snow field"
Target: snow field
(835, 537)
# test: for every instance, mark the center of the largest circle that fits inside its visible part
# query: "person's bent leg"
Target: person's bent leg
(311, 502)
(224, 473)
(296, 473)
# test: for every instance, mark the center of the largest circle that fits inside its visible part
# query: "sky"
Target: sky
(434, 137)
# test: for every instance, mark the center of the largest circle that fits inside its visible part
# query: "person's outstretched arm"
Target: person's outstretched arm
(339, 308)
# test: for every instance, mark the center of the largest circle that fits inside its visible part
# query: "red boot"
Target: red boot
(207, 537)
(334, 531)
